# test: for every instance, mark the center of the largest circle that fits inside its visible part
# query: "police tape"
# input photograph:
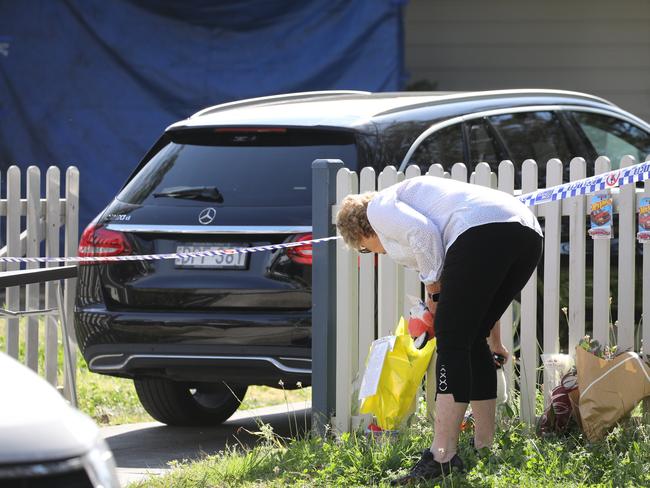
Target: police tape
(160, 257)
(585, 186)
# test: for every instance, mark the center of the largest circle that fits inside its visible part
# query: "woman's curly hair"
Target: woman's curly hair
(352, 219)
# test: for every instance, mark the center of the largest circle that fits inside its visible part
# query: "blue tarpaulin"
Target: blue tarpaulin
(94, 83)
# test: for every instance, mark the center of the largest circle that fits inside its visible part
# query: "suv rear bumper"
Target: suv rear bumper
(238, 347)
(260, 366)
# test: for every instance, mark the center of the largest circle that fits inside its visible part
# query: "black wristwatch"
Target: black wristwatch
(434, 296)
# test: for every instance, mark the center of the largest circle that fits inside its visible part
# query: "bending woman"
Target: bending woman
(475, 248)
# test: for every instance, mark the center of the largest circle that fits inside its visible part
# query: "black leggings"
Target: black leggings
(484, 269)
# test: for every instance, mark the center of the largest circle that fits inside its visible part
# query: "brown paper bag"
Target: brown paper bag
(609, 389)
(574, 398)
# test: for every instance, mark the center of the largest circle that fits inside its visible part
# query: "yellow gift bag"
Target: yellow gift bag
(394, 372)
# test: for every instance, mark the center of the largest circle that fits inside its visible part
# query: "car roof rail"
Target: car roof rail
(273, 98)
(478, 95)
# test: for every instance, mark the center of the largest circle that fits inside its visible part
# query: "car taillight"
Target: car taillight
(301, 254)
(97, 241)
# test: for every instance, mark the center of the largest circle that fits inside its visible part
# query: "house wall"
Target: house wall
(600, 47)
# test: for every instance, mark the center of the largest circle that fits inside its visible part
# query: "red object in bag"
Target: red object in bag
(420, 326)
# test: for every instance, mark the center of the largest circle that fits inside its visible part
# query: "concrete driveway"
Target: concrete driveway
(146, 449)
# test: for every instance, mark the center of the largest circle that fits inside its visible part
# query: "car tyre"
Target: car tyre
(179, 404)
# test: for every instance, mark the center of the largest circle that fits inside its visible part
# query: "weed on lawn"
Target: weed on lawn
(519, 458)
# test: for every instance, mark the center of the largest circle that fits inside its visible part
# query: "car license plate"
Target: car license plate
(224, 261)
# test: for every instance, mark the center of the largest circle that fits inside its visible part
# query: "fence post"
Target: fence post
(323, 349)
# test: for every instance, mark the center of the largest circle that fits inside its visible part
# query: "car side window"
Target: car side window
(613, 137)
(533, 135)
(445, 147)
(482, 146)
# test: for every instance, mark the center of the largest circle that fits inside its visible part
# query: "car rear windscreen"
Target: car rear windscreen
(247, 167)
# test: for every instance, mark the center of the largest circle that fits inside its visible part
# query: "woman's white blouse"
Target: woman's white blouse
(418, 219)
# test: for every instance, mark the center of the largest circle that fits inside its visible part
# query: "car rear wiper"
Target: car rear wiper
(203, 193)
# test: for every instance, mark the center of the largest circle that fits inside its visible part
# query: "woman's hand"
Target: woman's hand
(499, 349)
(431, 305)
(432, 288)
(495, 344)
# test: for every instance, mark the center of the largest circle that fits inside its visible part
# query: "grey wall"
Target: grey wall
(596, 46)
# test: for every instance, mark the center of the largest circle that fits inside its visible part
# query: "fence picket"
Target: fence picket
(483, 175)
(577, 257)
(399, 276)
(387, 302)
(552, 230)
(347, 319)
(436, 170)
(13, 249)
(52, 224)
(528, 322)
(601, 291)
(459, 172)
(626, 255)
(71, 217)
(366, 281)
(412, 284)
(646, 281)
(32, 297)
(506, 183)
(645, 287)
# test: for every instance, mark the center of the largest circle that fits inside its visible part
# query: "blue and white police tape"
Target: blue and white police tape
(586, 186)
(158, 257)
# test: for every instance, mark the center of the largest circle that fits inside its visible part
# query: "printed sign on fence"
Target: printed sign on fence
(601, 216)
(643, 233)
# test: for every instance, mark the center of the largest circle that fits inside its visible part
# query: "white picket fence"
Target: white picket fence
(356, 296)
(29, 222)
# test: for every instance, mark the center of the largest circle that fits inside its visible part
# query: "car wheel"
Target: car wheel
(176, 403)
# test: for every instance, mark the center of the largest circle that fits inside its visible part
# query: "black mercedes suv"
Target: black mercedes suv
(193, 334)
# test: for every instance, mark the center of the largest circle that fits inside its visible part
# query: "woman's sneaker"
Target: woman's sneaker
(428, 468)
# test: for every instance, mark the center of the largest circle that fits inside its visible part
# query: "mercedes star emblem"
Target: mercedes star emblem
(207, 215)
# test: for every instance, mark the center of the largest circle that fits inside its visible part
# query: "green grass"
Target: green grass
(111, 401)
(519, 458)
